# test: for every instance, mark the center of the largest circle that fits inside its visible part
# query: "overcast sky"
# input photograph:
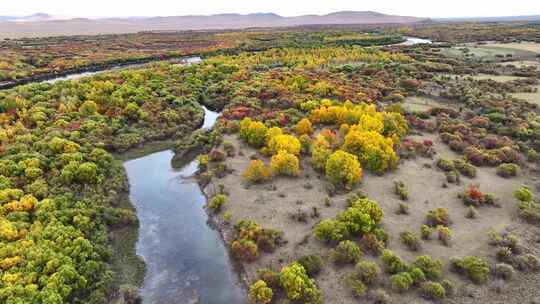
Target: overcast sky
(420, 8)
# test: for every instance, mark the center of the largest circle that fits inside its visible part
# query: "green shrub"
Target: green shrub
(523, 194)
(260, 293)
(433, 290)
(425, 232)
(438, 216)
(472, 267)
(331, 230)
(507, 170)
(311, 263)
(358, 287)
(217, 202)
(445, 165)
(418, 275)
(465, 168)
(297, 285)
(448, 287)
(431, 268)
(402, 281)
(410, 240)
(392, 263)
(401, 190)
(369, 207)
(368, 272)
(347, 252)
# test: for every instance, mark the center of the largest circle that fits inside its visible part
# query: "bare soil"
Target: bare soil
(273, 203)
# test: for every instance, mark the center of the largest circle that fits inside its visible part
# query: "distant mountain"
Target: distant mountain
(492, 19)
(45, 25)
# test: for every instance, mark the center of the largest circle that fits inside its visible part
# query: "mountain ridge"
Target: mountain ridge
(117, 25)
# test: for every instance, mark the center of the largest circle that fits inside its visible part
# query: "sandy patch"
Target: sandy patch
(530, 97)
(524, 46)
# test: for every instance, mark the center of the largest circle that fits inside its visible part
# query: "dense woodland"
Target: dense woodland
(329, 98)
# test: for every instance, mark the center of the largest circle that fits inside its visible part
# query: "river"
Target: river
(415, 40)
(185, 258)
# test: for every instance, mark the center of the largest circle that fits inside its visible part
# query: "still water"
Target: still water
(185, 258)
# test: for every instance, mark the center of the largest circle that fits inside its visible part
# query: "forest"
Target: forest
(345, 166)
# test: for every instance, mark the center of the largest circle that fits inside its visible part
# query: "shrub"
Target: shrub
(357, 220)
(445, 234)
(379, 296)
(270, 277)
(284, 163)
(401, 190)
(403, 209)
(260, 293)
(392, 263)
(471, 212)
(438, 216)
(343, 169)
(216, 155)
(311, 263)
(347, 252)
(433, 290)
(425, 232)
(253, 132)
(410, 240)
(529, 211)
(431, 268)
(523, 194)
(331, 230)
(320, 152)
(402, 281)
(287, 143)
(303, 127)
(507, 170)
(448, 287)
(245, 250)
(473, 196)
(358, 287)
(305, 144)
(527, 262)
(417, 274)
(445, 164)
(256, 172)
(372, 243)
(503, 271)
(369, 207)
(217, 202)
(375, 152)
(472, 267)
(297, 285)
(465, 168)
(368, 272)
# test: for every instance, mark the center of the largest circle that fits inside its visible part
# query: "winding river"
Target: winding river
(185, 258)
